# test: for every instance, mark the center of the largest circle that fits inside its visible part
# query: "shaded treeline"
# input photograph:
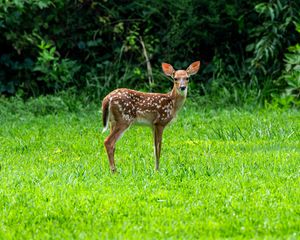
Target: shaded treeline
(247, 49)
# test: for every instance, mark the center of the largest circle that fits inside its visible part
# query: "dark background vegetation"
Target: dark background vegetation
(249, 50)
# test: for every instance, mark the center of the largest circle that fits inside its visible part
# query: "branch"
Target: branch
(149, 68)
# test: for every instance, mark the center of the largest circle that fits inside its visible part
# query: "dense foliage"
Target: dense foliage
(91, 47)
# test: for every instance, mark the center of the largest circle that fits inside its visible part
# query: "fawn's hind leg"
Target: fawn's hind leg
(110, 143)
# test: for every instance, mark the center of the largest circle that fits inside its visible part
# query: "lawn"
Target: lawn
(224, 174)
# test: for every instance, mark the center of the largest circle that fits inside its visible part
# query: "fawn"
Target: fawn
(124, 107)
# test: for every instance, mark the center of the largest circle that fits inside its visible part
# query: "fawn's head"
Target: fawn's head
(181, 77)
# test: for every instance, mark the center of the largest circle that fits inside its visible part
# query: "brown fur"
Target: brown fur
(124, 107)
(105, 105)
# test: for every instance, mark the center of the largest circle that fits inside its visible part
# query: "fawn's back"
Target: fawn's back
(129, 106)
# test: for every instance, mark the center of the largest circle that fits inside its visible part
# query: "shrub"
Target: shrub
(48, 46)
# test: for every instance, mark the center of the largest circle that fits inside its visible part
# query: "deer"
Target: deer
(124, 107)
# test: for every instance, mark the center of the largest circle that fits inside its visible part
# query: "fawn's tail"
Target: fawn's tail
(105, 113)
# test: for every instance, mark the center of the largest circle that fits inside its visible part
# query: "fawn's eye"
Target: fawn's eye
(187, 79)
(176, 79)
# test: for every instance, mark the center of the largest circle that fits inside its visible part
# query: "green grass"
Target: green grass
(224, 174)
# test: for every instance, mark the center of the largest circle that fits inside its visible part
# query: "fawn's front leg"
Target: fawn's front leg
(157, 132)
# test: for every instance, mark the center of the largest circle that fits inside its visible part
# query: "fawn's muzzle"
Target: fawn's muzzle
(182, 88)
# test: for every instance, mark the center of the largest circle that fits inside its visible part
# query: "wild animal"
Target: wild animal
(123, 107)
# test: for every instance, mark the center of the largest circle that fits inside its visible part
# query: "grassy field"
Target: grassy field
(224, 174)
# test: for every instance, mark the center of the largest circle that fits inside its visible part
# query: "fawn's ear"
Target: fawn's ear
(193, 68)
(168, 69)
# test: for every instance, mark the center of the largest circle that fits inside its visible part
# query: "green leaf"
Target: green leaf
(260, 8)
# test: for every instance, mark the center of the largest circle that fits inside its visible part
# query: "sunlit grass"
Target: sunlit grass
(224, 174)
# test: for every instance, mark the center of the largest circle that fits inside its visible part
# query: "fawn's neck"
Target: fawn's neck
(177, 98)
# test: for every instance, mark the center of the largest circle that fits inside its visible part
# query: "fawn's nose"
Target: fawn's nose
(182, 88)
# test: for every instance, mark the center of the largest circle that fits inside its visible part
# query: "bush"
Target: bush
(44, 105)
(48, 46)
